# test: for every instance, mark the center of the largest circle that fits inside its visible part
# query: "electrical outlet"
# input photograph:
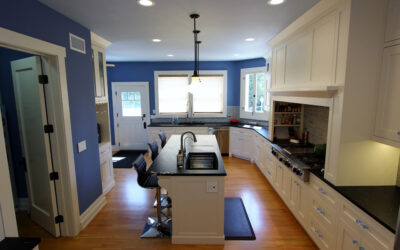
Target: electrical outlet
(212, 187)
(82, 146)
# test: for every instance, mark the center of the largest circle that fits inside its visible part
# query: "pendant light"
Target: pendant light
(196, 76)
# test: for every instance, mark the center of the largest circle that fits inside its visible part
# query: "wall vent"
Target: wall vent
(76, 43)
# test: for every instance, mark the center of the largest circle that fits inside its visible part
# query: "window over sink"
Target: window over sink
(175, 95)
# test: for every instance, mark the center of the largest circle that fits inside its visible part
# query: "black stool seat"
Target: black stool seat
(163, 138)
(154, 150)
(145, 180)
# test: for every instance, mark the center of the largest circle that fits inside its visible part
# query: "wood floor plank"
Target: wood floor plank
(120, 222)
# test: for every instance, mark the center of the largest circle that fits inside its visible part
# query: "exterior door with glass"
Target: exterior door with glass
(131, 114)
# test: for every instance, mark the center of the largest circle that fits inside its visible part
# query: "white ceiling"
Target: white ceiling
(224, 24)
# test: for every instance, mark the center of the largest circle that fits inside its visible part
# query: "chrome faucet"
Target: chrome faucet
(182, 144)
(181, 154)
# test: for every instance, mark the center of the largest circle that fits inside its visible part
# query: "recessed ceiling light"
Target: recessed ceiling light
(235, 54)
(170, 55)
(156, 40)
(250, 39)
(275, 2)
(146, 3)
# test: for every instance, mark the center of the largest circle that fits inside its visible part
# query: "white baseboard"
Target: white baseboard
(92, 211)
(109, 187)
(23, 204)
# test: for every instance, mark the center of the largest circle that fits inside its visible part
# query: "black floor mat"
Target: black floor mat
(237, 224)
(125, 158)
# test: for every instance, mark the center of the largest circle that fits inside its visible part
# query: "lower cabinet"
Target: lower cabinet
(106, 167)
(241, 143)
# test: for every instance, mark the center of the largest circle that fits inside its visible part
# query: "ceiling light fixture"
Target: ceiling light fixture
(250, 39)
(156, 40)
(235, 54)
(146, 3)
(275, 2)
(170, 55)
(196, 76)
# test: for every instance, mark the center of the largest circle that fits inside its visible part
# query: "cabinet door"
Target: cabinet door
(279, 177)
(100, 73)
(286, 184)
(324, 46)
(393, 21)
(388, 118)
(299, 198)
(348, 237)
(279, 66)
(298, 60)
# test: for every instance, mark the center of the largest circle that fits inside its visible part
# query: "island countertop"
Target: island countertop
(166, 165)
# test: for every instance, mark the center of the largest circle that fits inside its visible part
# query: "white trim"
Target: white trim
(77, 38)
(9, 221)
(92, 211)
(64, 158)
(98, 40)
(109, 186)
(188, 73)
(254, 115)
(114, 105)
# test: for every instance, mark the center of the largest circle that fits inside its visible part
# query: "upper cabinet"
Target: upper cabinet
(388, 118)
(306, 56)
(100, 71)
(393, 21)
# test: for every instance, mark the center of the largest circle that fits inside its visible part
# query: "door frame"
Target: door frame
(114, 105)
(62, 142)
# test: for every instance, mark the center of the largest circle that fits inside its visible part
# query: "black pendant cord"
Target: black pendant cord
(196, 45)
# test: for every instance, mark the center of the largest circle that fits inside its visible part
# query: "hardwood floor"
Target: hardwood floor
(119, 224)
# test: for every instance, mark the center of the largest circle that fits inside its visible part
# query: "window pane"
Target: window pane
(137, 96)
(172, 94)
(261, 90)
(124, 96)
(208, 96)
(131, 108)
(249, 93)
(131, 96)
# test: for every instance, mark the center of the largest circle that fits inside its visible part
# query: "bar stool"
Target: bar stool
(154, 150)
(165, 200)
(155, 227)
(163, 138)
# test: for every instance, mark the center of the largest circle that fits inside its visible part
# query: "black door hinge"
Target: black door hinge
(48, 128)
(43, 79)
(54, 176)
(59, 219)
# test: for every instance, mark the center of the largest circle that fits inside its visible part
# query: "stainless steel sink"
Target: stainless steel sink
(201, 160)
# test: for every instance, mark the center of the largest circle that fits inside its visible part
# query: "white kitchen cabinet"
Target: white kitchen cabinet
(106, 167)
(241, 143)
(348, 237)
(388, 118)
(371, 234)
(279, 176)
(99, 67)
(393, 21)
(309, 57)
(321, 235)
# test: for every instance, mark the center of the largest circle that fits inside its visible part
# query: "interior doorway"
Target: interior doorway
(131, 110)
(25, 99)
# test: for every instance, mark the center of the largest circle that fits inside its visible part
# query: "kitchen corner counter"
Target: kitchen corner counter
(380, 202)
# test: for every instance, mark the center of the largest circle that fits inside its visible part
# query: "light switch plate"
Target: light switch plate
(212, 187)
(81, 146)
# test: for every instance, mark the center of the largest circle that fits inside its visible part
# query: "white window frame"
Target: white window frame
(253, 115)
(190, 113)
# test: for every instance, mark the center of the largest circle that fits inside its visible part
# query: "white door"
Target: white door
(31, 108)
(131, 114)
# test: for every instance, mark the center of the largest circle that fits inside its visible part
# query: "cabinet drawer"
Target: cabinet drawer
(376, 234)
(325, 213)
(323, 237)
(326, 193)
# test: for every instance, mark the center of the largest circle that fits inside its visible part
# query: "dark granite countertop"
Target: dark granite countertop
(261, 130)
(166, 165)
(380, 202)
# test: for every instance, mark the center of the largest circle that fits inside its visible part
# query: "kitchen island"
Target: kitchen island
(197, 194)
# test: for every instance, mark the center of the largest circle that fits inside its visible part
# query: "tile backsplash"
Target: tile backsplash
(316, 123)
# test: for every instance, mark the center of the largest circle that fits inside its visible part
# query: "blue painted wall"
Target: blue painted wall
(144, 72)
(8, 100)
(32, 18)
